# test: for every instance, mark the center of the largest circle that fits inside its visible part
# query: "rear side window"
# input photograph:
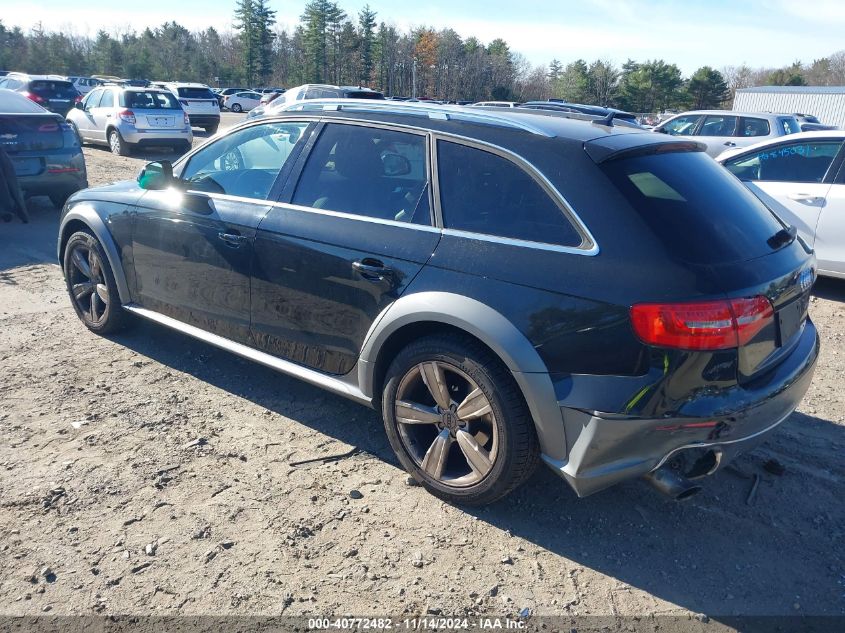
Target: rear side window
(789, 162)
(718, 125)
(196, 93)
(695, 208)
(482, 192)
(751, 126)
(367, 171)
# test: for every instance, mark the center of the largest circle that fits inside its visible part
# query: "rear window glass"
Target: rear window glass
(196, 93)
(55, 89)
(790, 126)
(753, 127)
(149, 100)
(695, 207)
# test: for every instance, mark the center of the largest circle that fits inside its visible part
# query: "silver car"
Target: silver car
(125, 118)
(720, 130)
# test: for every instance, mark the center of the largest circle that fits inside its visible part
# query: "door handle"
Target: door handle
(232, 239)
(730, 144)
(803, 197)
(372, 269)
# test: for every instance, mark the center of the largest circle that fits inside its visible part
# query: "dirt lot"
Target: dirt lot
(149, 473)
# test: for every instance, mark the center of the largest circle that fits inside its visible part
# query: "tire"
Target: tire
(117, 145)
(484, 452)
(182, 148)
(98, 305)
(212, 129)
(237, 107)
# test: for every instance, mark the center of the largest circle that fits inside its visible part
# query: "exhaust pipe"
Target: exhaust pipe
(671, 484)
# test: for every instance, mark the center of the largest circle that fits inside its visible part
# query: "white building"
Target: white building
(825, 102)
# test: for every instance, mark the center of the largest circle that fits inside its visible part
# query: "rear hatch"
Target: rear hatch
(198, 100)
(714, 226)
(55, 95)
(154, 110)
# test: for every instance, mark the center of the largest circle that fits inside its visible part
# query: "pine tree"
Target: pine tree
(366, 31)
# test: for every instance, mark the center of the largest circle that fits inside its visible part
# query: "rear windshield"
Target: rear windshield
(790, 126)
(196, 93)
(354, 94)
(53, 89)
(695, 207)
(149, 100)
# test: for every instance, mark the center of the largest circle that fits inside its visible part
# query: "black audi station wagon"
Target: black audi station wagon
(505, 288)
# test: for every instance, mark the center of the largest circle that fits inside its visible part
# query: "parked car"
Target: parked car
(125, 118)
(802, 179)
(504, 288)
(222, 93)
(199, 103)
(241, 101)
(84, 85)
(308, 92)
(268, 97)
(593, 110)
(45, 152)
(52, 92)
(723, 129)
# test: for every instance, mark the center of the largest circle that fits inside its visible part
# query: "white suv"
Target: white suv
(200, 104)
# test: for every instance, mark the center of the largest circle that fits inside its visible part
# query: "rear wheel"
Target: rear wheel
(117, 145)
(457, 420)
(212, 129)
(236, 107)
(90, 284)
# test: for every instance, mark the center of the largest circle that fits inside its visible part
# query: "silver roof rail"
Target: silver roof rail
(433, 112)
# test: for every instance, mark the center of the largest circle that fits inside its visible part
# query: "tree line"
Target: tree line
(330, 46)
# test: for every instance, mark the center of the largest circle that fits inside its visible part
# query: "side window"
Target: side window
(682, 125)
(108, 99)
(792, 162)
(367, 171)
(245, 163)
(718, 125)
(93, 99)
(485, 193)
(753, 127)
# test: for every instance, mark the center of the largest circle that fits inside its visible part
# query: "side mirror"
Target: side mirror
(395, 165)
(78, 105)
(156, 176)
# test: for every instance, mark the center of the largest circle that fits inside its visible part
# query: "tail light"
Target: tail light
(77, 99)
(127, 116)
(69, 137)
(187, 118)
(709, 325)
(34, 97)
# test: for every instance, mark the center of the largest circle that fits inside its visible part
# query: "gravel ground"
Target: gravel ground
(150, 473)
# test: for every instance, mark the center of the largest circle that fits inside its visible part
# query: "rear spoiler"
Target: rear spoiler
(617, 146)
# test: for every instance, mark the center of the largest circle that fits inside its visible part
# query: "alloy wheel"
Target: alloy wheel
(88, 283)
(446, 423)
(114, 143)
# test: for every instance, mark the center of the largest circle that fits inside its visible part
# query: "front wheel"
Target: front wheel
(91, 285)
(236, 107)
(457, 421)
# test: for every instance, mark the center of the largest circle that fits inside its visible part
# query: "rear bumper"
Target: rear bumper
(153, 137)
(202, 120)
(62, 173)
(611, 448)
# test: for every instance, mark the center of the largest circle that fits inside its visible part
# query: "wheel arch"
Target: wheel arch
(426, 313)
(83, 217)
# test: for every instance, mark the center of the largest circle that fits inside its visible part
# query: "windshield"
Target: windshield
(700, 212)
(149, 100)
(53, 89)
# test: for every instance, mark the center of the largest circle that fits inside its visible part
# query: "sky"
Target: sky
(690, 33)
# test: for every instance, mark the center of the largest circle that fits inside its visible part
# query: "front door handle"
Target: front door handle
(232, 239)
(730, 144)
(372, 269)
(804, 197)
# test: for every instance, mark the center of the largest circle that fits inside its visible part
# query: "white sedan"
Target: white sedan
(242, 101)
(801, 178)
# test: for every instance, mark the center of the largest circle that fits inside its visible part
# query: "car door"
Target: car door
(192, 245)
(351, 231)
(682, 125)
(85, 120)
(791, 178)
(103, 114)
(830, 231)
(718, 131)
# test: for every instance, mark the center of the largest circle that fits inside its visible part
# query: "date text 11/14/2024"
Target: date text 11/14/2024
(417, 624)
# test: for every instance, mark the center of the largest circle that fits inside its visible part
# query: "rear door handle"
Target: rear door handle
(232, 239)
(372, 269)
(730, 144)
(803, 197)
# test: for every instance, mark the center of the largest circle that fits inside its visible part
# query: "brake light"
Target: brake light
(127, 116)
(706, 325)
(77, 99)
(187, 118)
(33, 97)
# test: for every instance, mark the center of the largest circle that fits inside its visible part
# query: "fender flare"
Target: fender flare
(84, 212)
(491, 328)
